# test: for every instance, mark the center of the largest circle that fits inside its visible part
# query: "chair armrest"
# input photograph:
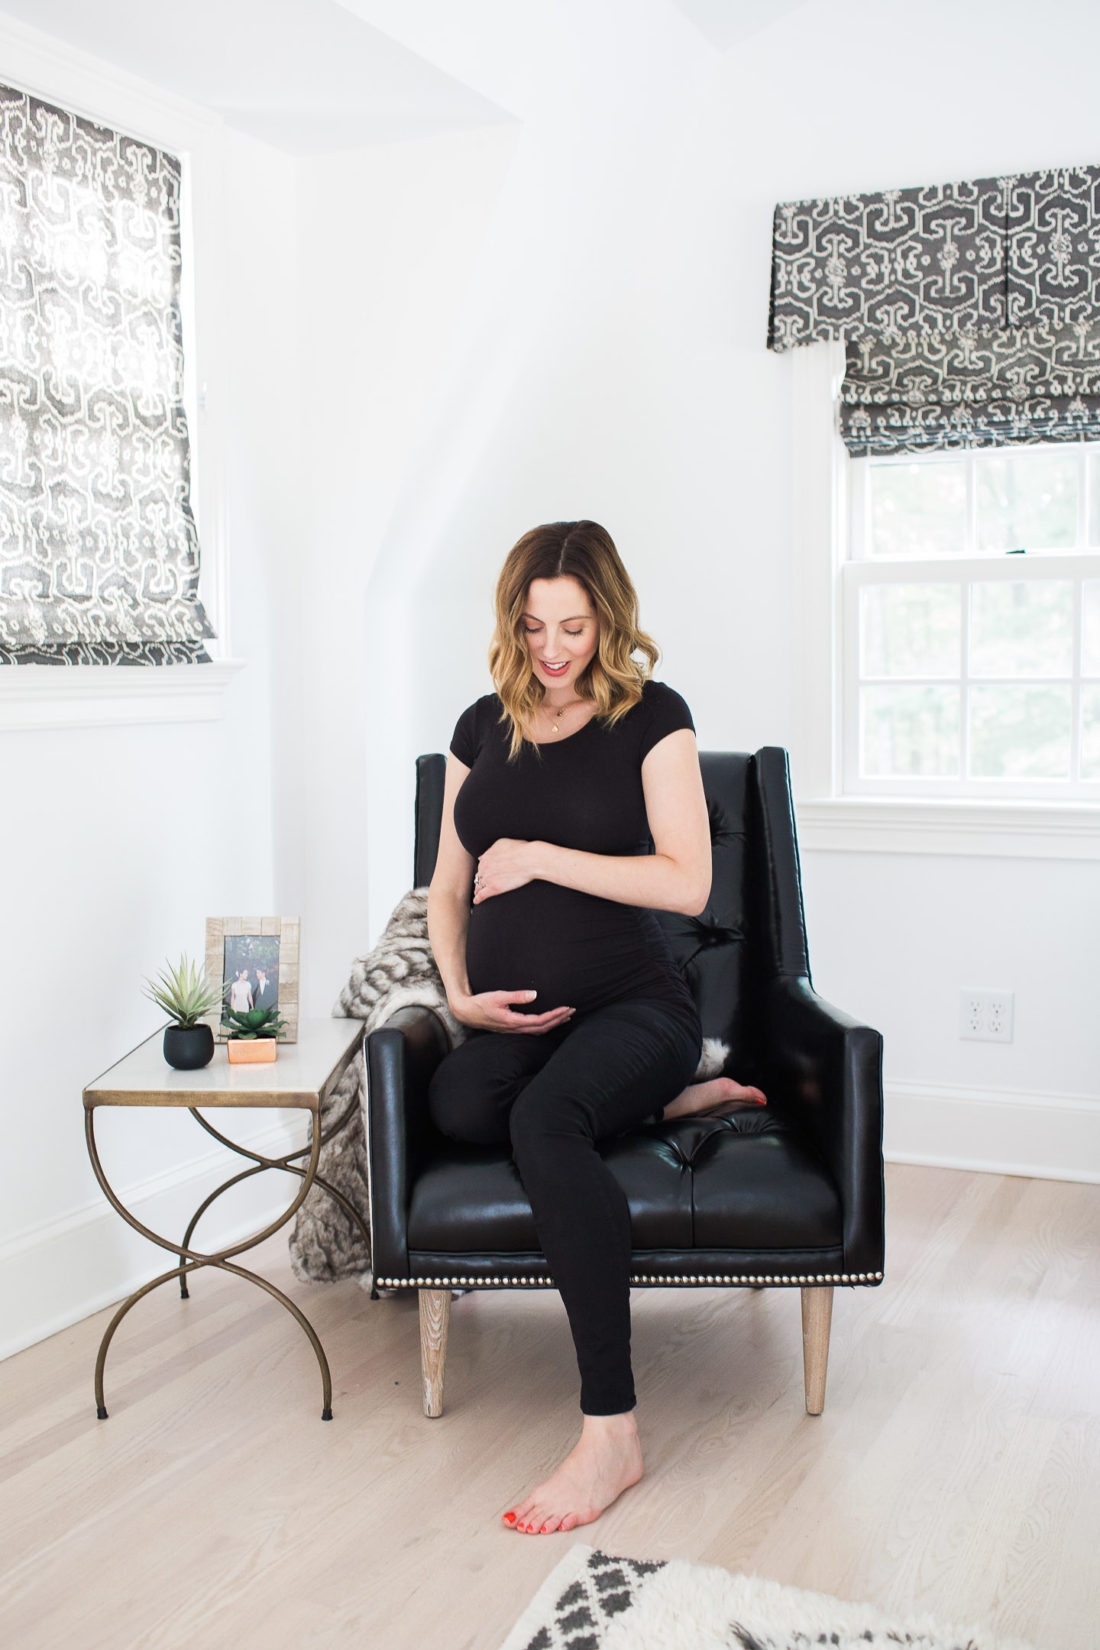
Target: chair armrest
(825, 1070)
(401, 1057)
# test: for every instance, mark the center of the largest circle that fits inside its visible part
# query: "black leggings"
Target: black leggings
(554, 1095)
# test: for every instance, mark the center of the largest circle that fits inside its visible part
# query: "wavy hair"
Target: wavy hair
(613, 678)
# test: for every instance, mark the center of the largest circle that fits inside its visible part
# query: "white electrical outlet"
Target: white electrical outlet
(986, 1016)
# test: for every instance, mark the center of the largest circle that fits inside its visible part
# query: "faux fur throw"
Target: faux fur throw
(400, 972)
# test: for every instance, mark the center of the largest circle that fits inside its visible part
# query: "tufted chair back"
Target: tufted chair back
(752, 929)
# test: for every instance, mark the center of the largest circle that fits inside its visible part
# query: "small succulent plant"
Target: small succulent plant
(253, 1022)
(185, 992)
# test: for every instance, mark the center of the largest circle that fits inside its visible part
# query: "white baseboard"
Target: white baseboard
(998, 1131)
(55, 1274)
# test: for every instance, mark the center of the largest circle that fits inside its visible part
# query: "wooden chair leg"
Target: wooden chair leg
(817, 1316)
(435, 1316)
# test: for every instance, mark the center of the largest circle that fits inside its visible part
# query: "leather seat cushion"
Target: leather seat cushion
(744, 1182)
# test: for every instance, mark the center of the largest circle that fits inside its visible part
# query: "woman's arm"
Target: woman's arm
(448, 921)
(675, 877)
(449, 893)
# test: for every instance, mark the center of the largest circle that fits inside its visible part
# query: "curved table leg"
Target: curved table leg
(240, 1272)
(259, 1164)
(108, 1333)
(199, 1212)
(258, 1168)
(192, 1260)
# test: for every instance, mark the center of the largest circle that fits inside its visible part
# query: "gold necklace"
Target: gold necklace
(554, 720)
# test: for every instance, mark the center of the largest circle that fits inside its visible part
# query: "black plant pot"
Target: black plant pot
(188, 1047)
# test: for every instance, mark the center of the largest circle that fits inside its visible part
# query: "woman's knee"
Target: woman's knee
(465, 1106)
(538, 1119)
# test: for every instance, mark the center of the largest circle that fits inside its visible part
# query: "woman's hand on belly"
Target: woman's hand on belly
(507, 865)
(493, 1011)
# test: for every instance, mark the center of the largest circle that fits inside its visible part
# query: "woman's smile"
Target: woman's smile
(561, 618)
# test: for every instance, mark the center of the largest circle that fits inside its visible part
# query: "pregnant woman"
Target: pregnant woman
(541, 919)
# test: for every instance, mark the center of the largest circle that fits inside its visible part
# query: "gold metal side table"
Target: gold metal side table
(302, 1078)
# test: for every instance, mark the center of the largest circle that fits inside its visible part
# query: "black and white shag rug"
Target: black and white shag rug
(592, 1601)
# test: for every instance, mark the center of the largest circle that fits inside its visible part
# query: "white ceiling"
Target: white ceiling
(306, 76)
(725, 22)
(311, 76)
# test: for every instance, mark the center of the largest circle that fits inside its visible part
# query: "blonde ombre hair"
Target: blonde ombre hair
(613, 678)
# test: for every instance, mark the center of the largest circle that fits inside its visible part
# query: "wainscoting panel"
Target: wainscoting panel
(55, 1274)
(1002, 1131)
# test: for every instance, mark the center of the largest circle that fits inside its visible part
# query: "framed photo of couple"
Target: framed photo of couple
(256, 960)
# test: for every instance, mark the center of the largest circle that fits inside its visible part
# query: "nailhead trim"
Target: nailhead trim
(548, 1283)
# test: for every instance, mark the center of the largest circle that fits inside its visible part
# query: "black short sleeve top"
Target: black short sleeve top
(584, 792)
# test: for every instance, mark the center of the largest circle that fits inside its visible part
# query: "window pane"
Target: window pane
(1019, 732)
(907, 731)
(1090, 627)
(1027, 500)
(1094, 493)
(909, 629)
(1021, 628)
(918, 509)
(1090, 731)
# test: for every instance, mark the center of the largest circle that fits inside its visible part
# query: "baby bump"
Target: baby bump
(574, 950)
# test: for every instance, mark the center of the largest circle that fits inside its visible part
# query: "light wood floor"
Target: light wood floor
(955, 1469)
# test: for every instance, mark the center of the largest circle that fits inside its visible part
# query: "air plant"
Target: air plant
(185, 993)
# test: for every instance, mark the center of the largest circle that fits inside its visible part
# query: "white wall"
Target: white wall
(609, 361)
(851, 96)
(118, 841)
(387, 239)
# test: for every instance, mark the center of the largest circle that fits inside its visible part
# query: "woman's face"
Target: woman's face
(562, 630)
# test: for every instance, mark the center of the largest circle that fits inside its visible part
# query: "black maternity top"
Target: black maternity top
(586, 792)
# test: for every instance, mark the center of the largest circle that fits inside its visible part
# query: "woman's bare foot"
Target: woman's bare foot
(702, 1096)
(604, 1463)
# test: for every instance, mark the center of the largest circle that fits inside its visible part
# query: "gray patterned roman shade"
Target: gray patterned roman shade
(99, 556)
(969, 311)
(929, 391)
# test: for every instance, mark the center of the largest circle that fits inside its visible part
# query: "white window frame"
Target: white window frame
(879, 820)
(35, 697)
(860, 569)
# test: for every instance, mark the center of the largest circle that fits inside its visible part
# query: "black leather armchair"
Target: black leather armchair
(780, 1196)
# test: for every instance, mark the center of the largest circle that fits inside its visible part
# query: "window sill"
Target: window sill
(34, 697)
(1009, 830)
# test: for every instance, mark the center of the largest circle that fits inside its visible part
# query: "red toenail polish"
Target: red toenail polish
(509, 1518)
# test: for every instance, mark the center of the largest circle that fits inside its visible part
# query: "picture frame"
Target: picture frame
(256, 960)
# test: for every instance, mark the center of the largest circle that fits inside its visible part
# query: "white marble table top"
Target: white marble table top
(302, 1074)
